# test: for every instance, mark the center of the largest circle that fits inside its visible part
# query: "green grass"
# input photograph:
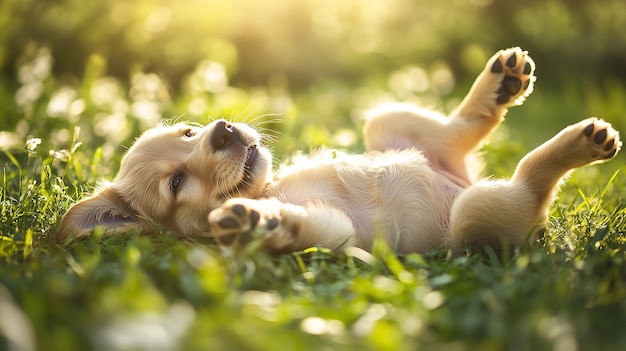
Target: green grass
(133, 292)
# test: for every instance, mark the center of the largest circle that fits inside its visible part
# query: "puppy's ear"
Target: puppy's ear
(105, 210)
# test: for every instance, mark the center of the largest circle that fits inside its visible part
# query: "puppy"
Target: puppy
(414, 186)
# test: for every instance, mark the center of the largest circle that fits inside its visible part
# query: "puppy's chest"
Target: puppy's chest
(366, 180)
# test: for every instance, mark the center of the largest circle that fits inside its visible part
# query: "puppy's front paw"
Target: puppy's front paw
(233, 223)
(515, 70)
(240, 220)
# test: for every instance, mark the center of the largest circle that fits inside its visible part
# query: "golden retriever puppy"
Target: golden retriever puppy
(414, 186)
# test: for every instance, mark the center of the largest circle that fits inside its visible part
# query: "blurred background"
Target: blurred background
(86, 77)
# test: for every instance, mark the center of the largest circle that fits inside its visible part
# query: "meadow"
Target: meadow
(78, 86)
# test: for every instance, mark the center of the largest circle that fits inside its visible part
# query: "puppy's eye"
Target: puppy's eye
(175, 182)
(189, 133)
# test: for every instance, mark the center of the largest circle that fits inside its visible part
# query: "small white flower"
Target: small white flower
(61, 155)
(32, 143)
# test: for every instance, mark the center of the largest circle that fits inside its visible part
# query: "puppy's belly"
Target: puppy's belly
(395, 194)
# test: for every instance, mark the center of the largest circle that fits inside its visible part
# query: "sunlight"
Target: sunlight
(320, 326)
(304, 73)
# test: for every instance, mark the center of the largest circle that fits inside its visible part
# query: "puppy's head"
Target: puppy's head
(173, 176)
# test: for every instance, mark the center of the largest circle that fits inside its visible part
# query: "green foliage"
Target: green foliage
(158, 292)
(80, 80)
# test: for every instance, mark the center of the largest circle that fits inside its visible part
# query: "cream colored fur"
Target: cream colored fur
(416, 185)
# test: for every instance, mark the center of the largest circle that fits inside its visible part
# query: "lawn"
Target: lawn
(132, 292)
(66, 123)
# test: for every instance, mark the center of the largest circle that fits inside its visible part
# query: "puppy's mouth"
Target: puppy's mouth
(247, 179)
(249, 163)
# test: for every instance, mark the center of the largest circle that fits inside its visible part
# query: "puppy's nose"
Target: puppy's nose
(223, 135)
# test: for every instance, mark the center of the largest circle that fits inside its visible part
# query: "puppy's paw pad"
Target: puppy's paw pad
(603, 140)
(516, 70)
(239, 221)
(233, 224)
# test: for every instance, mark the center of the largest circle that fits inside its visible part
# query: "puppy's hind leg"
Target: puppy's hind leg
(506, 80)
(498, 212)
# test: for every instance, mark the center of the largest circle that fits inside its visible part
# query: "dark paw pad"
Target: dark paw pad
(239, 210)
(600, 136)
(228, 223)
(528, 68)
(516, 68)
(511, 85)
(503, 97)
(604, 137)
(272, 223)
(497, 67)
(512, 61)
